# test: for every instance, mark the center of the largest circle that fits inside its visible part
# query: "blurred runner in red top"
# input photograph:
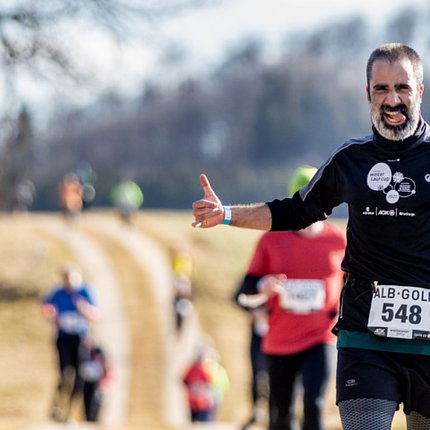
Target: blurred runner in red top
(299, 276)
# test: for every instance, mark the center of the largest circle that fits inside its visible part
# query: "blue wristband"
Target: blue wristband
(227, 215)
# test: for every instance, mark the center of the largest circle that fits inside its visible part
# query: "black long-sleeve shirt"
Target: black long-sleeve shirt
(386, 186)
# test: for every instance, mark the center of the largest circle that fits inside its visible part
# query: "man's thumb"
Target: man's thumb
(207, 189)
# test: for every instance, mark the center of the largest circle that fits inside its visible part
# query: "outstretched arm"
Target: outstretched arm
(209, 211)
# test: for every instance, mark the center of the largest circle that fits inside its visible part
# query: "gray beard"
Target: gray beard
(397, 133)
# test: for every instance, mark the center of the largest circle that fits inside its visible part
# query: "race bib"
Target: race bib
(400, 312)
(303, 296)
(72, 322)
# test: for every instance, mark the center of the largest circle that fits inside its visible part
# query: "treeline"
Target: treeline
(247, 124)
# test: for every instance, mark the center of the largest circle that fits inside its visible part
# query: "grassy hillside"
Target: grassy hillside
(29, 263)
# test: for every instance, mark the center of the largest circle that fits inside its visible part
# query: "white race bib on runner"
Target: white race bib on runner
(400, 312)
(72, 322)
(303, 295)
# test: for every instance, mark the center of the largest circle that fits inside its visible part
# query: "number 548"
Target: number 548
(404, 313)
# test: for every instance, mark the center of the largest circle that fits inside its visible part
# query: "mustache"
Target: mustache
(401, 108)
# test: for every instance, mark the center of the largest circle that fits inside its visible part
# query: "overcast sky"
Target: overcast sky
(207, 32)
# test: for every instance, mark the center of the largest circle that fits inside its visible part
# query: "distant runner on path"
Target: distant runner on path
(71, 307)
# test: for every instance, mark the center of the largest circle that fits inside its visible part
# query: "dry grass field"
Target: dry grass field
(29, 262)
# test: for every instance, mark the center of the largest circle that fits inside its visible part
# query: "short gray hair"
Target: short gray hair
(393, 52)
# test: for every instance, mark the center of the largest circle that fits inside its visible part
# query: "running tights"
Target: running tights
(376, 414)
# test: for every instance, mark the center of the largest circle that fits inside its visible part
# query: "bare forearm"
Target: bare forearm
(256, 216)
(209, 212)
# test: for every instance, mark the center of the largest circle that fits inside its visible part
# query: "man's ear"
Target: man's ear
(421, 90)
(368, 93)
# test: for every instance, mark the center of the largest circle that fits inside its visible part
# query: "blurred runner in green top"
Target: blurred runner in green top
(128, 198)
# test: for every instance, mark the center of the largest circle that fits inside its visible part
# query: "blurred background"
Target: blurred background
(159, 91)
(132, 100)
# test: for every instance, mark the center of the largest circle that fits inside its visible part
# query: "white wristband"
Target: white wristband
(227, 215)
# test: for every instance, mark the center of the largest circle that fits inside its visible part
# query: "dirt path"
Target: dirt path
(112, 331)
(154, 262)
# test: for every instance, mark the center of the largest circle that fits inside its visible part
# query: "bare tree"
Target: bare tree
(31, 35)
(33, 43)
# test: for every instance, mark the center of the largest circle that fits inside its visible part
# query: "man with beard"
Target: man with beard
(383, 328)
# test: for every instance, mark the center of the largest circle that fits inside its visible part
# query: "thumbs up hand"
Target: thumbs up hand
(208, 211)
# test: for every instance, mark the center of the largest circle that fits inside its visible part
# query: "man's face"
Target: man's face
(395, 99)
(72, 280)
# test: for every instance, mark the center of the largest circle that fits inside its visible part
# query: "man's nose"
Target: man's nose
(393, 98)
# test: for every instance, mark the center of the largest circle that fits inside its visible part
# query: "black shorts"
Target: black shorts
(399, 377)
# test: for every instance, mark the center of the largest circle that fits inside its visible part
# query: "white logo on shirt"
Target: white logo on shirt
(394, 186)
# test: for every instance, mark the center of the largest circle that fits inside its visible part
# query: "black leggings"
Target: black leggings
(258, 366)
(314, 366)
(69, 359)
